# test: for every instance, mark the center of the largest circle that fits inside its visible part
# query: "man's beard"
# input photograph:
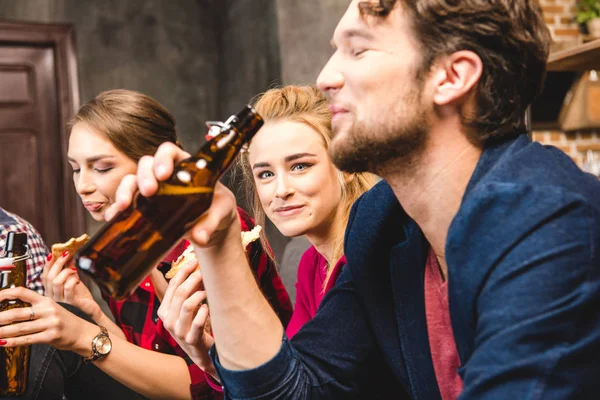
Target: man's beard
(381, 147)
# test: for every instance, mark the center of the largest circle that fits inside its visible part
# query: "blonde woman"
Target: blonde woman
(297, 187)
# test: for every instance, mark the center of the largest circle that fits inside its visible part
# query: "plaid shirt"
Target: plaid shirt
(137, 314)
(35, 265)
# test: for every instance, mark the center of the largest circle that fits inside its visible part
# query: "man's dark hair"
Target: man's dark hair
(510, 37)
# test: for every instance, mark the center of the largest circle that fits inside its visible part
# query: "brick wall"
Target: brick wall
(560, 15)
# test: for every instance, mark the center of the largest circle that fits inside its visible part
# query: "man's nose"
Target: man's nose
(330, 78)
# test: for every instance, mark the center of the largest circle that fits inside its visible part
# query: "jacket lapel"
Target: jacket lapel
(407, 269)
(386, 252)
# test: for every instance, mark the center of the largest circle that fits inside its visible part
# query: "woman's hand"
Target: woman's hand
(185, 315)
(44, 322)
(62, 283)
(52, 268)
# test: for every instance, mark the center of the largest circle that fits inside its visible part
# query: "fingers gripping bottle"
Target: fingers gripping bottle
(14, 361)
(124, 251)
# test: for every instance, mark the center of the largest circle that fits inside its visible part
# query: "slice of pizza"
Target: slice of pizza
(189, 255)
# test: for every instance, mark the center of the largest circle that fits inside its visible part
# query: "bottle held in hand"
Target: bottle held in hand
(14, 361)
(124, 251)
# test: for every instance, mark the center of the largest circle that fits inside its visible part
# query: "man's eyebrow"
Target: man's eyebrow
(352, 33)
(356, 32)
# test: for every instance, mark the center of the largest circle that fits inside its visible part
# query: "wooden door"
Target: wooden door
(38, 95)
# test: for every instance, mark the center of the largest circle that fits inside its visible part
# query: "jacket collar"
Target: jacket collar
(491, 155)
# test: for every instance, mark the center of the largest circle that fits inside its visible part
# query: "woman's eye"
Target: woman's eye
(75, 171)
(103, 170)
(265, 174)
(358, 52)
(300, 167)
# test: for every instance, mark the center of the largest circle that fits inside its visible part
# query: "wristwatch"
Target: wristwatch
(101, 346)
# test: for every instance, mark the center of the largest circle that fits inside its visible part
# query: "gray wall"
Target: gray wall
(250, 60)
(305, 31)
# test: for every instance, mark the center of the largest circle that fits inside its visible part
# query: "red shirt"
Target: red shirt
(441, 338)
(137, 314)
(312, 271)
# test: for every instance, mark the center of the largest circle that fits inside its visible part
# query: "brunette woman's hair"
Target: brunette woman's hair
(135, 123)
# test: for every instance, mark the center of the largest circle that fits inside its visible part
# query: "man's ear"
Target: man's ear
(455, 76)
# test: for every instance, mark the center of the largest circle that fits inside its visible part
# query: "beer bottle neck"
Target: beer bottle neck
(16, 249)
(233, 133)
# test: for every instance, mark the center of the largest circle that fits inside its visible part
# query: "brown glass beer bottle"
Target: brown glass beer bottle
(124, 251)
(14, 361)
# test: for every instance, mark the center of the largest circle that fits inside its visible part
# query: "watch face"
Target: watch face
(103, 345)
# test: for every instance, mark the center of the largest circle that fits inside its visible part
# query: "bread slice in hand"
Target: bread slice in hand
(72, 245)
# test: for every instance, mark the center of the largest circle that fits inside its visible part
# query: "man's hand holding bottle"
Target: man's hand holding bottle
(213, 228)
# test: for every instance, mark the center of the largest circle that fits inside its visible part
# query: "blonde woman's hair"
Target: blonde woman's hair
(307, 105)
(135, 123)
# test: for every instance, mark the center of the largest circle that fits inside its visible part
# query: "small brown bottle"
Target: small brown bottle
(14, 361)
(124, 251)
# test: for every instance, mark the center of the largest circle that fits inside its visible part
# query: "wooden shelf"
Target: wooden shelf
(582, 57)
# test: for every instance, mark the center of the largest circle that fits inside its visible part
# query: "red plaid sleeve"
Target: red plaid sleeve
(35, 265)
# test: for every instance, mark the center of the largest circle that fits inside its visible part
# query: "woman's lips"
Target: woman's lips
(288, 210)
(93, 207)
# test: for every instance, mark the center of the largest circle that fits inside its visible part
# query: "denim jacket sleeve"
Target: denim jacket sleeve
(529, 327)
(329, 368)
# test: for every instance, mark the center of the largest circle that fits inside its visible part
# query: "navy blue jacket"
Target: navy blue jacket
(523, 255)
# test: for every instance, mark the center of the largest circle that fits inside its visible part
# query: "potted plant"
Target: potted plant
(588, 13)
